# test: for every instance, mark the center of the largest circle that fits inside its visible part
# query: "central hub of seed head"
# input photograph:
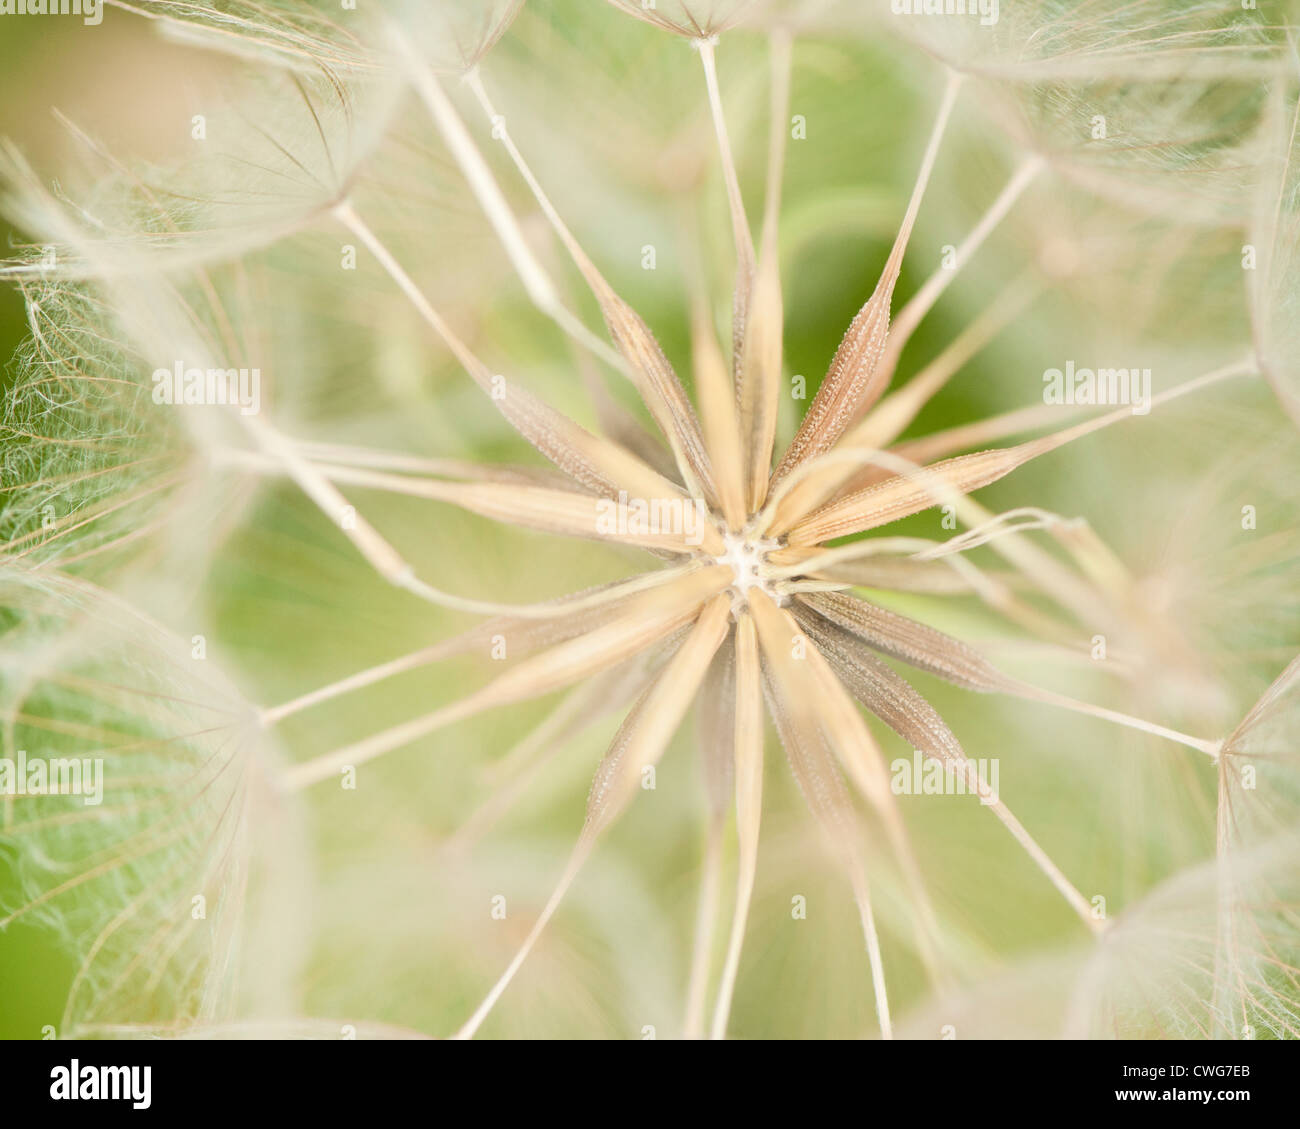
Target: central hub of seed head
(747, 559)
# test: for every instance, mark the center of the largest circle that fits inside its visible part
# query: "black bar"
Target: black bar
(338, 1077)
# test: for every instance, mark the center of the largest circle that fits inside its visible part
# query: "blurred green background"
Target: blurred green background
(93, 74)
(34, 973)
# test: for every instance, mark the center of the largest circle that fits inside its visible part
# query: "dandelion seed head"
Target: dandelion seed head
(187, 854)
(706, 622)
